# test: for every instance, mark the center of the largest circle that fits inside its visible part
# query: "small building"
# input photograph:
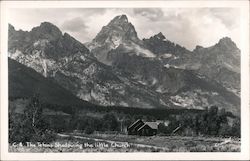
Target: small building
(133, 128)
(186, 131)
(148, 129)
(143, 128)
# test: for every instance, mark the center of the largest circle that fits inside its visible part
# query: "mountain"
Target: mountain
(160, 46)
(175, 86)
(44, 48)
(159, 64)
(220, 62)
(24, 82)
(119, 69)
(69, 63)
(119, 33)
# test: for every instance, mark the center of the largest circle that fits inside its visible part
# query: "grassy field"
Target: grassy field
(125, 143)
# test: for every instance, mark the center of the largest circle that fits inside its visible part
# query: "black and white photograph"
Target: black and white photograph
(125, 79)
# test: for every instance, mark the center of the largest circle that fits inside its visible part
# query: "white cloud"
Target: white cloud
(153, 14)
(74, 25)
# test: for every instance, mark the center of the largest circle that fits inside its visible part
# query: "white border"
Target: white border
(244, 46)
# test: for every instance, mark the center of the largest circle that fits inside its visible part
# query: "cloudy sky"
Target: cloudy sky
(186, 26)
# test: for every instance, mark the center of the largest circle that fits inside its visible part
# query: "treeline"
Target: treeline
(211, 122)
(34, 126)
(157, 113)
(154, 113)
(85, 124)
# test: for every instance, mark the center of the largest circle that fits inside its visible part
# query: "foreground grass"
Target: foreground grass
(125, 143)
(177, 143)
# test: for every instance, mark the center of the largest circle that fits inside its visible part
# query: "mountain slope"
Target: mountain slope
(24, 82)
(44, 48)
(176, 86)
(220, 62)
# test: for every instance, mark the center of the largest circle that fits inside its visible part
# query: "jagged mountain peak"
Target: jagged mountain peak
(118, 29)
(157, 37)
(47, 26)
(11, 27)
(198, 47)
(46, 30)
(44, 48)
(160, 36)
(159, 45)
(119, 20)
(68, 37)
(225, 39)
(226, 43)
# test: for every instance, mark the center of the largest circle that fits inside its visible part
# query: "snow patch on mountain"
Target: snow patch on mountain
(195, 99)
(177, 104)
(166, 55)
(122, 103)
(154, 81)
(122, 92)
(162, 102)
(142, 82)
(16, 55)
(160, 89)
(138, 50)
(176, 57)
(84, 96)
(167, 65)
(44, 68)
(201, 76)
(142, 51)
(98, 95)
(41, 43)
(116, 40)
(81, 57)
(90, 70)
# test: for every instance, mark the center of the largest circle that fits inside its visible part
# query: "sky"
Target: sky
(186, 26)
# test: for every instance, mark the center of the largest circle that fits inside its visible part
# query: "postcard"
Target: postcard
(125, 80)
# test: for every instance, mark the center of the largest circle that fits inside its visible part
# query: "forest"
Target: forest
(34, 126)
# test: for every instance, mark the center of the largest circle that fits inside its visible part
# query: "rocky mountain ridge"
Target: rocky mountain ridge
(77, 71)
(118, 68)
(118, 33)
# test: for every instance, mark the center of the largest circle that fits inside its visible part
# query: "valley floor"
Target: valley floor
(124, 143)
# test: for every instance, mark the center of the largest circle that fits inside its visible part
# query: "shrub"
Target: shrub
(30, 126)
(89, 130)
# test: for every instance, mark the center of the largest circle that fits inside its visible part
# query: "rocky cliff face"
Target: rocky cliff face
(120, 69)
(162, 47)
(220, 62)
(25, 82)
(118, 33)
(44, 48)
(175, 86)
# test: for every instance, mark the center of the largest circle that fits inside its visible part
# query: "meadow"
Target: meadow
(125, 143)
